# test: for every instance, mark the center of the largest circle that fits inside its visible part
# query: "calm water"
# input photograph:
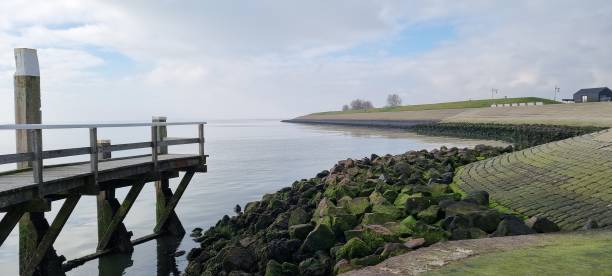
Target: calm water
(247, 160)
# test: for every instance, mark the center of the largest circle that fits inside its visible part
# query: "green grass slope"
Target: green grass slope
(568, 255)
(447, 105)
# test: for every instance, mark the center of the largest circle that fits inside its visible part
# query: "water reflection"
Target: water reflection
(114, 264)
(166, 260)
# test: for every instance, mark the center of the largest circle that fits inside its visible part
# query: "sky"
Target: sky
(116, 60)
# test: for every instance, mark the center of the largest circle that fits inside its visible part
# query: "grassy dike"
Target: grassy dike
(445, 105)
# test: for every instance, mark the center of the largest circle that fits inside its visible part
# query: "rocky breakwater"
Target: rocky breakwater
(357, 214)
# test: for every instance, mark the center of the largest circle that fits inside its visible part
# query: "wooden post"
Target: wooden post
(32, 225)
(163, 192)
(27, 97)
(108, 205)
(201, 142)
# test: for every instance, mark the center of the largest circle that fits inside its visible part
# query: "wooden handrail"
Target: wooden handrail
(37, 155)
(73, 126)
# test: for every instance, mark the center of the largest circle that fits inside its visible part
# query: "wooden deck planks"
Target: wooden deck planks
(53, 174)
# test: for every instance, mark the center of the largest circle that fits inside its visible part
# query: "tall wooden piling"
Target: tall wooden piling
(32, 225)
(163, 193)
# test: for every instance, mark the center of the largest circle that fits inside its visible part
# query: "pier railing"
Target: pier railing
(37, 154)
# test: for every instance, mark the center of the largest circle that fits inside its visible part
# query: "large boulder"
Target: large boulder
(430, 215)
(367, 260)
(377, 198)
(486, 220)
(416, 203)
(512, 226)
(376, 218)
(354, 248)
(400, 200)
(438, 189)
(298, 216)
(343, 222)
(321, 238)
(376, 236)
(325, 210)
(273, 268)
(282, 249)
(390, 195)
(319, 265)
(407, 224)
(463, 207)
(479, 197)
(541, 224)
(387, 209)
(355, 206)
(238, 258)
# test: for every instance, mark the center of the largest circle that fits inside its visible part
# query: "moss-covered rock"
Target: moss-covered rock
(390, 195)
(376, 218)
(431, 214)
(387, 209)
(300, 231)
(407, 225)
(320, 238)
(354, 248)
(438, 189)
(400, 200)
(377, 198)
(367, 260)
(298, 216)
(355, 206)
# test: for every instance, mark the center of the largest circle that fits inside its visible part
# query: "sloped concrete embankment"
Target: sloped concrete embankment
(568, 181)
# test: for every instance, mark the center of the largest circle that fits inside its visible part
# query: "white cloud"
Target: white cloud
(283, 58)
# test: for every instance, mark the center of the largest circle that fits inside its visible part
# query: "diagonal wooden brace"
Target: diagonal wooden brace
(9, 221)
(120, 215)
(49, 237)
(169, 208)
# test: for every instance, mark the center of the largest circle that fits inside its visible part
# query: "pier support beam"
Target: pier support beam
(117, 219)
(37, 263)
(108, 206)
(167, 220)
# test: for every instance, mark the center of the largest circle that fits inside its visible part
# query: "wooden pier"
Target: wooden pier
(27, 192)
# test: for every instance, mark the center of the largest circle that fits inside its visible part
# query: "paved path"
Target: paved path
(568, 181)
(542, 254)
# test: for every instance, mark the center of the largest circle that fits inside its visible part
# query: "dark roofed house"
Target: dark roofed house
(601, 94)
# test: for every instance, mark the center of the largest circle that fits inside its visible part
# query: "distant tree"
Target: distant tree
(394, 100)
(361, 104)
(345, 107)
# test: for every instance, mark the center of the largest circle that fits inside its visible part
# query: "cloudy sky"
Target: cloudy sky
(127, 60)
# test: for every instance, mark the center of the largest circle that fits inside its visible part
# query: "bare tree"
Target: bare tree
(345, 107)
(361, 104)
(394, 100)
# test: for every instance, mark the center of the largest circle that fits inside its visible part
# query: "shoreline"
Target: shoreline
(355, 215)
(311, 227)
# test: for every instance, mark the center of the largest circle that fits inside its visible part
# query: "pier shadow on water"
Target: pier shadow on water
(166, 247)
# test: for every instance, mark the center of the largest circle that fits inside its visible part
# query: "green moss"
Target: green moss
(566, 256)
